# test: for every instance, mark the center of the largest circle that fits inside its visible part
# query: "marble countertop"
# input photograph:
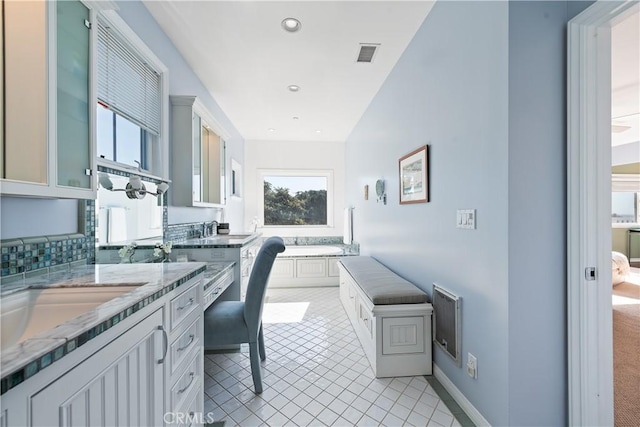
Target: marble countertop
(218, 241)
(152, 281)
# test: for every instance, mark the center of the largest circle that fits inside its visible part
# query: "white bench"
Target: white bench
(390, 315)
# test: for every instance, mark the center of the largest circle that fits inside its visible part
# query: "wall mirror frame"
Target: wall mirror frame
(121, 220)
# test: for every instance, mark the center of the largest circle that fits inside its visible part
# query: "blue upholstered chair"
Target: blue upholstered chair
(237, 322)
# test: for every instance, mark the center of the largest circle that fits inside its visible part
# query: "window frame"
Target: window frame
(146, 140)
(157, 149)
(627, 183)
(324, 173)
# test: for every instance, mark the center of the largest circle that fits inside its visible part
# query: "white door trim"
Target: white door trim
(589, 321)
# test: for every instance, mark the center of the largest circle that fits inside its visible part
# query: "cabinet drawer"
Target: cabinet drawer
(183, 305)
(191, 414)
(184, 344)
(213, 290)
(189, 381)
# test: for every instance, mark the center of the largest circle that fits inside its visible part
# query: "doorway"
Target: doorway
(590, 351)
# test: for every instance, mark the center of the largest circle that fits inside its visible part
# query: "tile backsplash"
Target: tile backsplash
(23, 256)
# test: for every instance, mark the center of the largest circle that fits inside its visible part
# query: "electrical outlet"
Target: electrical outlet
(472, 366)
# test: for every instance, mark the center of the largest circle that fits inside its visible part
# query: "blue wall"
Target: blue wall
(183, 81)
(483, 83)
(537, 211)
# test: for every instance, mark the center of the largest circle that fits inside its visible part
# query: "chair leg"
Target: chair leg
(255, 366)
(263, 353)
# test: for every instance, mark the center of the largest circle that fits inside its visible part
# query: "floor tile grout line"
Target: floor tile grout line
(337, 345)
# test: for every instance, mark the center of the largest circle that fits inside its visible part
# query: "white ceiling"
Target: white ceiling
(246, 60)
(625, 81)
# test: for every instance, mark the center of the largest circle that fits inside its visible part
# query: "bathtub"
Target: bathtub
(306, 266)
(310, 250)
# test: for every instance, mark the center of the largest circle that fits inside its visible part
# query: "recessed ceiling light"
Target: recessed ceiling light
(271, 130)
(318, 131)
(293, 88)
(291, 25)
(295, 117)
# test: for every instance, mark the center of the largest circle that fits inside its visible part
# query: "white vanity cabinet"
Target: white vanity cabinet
(134, 373)
(49, 100)
(117, 390)
(198, 155)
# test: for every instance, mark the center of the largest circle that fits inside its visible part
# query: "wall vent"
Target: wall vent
(446, 322)
(367, 52)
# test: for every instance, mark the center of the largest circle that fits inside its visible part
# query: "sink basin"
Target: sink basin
(30, 312)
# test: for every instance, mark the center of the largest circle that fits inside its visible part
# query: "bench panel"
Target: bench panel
(402, 335)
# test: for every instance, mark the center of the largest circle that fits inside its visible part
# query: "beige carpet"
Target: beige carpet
(626, 351)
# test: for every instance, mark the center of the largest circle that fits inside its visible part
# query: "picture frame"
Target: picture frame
(413, 169)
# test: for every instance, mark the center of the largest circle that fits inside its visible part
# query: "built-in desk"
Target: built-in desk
(217, 278)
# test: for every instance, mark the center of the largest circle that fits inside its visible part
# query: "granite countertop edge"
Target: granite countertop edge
(23, 360)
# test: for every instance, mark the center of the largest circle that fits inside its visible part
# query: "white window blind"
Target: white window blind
(126, 84)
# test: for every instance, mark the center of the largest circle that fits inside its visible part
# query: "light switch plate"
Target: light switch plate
(466, 218)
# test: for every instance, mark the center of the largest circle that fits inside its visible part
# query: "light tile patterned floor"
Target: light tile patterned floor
(316, 374)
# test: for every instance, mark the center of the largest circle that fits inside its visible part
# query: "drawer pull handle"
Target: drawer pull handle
(182, 390)
(186, 305)
(165, 344)
(191, 337)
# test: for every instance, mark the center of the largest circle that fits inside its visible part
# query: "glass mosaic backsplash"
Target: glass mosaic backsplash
(193, 230)
(38, 254)
(24, 255)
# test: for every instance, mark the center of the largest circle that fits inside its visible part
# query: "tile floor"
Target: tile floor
(316, 374)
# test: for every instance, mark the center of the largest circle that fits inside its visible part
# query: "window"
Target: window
(131, 91)
(625, 199)
(121, 140)
(296, 198)
(624, 207)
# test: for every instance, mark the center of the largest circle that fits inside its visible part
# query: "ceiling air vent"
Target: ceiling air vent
(367, 52)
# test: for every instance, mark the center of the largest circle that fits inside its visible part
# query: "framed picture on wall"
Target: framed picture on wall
(414, 176)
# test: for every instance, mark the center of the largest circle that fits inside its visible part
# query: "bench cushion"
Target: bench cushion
(381, 285)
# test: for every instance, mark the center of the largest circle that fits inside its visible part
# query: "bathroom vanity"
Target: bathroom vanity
(124, 350)
(241, 249)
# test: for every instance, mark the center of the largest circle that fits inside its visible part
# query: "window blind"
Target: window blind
(126, 84)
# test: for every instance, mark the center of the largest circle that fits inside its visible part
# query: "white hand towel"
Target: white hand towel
(117, 227)
(348, 226)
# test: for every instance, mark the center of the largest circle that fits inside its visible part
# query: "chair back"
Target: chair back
(257, 287)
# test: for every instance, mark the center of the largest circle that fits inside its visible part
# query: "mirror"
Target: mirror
(208, 163)
(121, 219)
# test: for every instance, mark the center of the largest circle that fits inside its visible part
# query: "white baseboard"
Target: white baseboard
(460, 398)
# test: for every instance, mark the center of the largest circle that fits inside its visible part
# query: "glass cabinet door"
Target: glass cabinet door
(73, 115)
(24, 62)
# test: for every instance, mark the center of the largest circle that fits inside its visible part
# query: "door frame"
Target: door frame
(589, 318)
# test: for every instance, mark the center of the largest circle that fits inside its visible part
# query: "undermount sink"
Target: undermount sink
(32, 311)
